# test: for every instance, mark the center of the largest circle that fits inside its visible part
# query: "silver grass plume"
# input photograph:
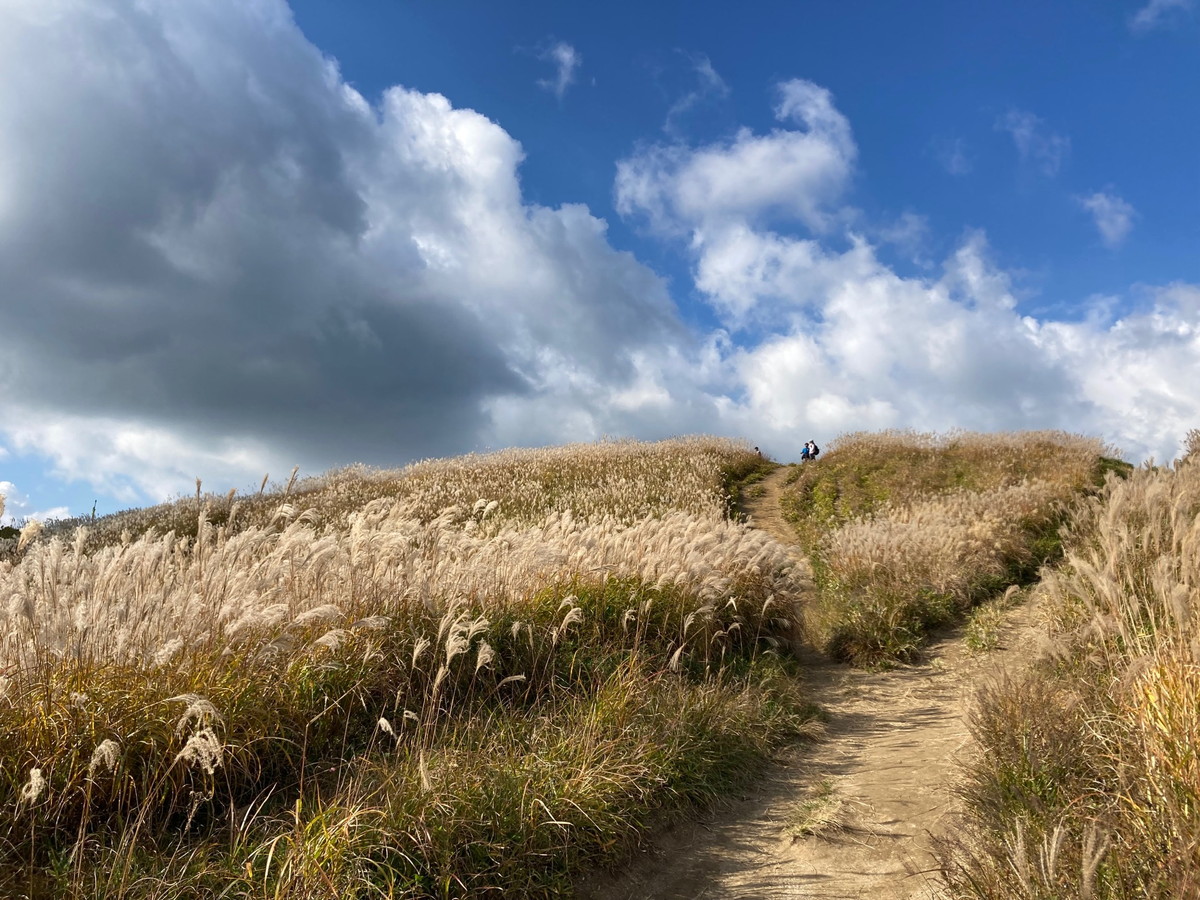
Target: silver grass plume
(203, 749)
(33, 788)
(199, 711)
(105, 756)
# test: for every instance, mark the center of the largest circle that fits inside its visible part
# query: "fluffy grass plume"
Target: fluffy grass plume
(463, 676)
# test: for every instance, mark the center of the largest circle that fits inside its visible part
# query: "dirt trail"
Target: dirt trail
(888, 757)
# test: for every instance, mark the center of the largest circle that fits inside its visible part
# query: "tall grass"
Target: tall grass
(1088, 783)
(457, 678)
(907, 530)
(623, 480)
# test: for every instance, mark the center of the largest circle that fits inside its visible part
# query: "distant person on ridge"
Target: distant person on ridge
(813, 450)
(806, 453)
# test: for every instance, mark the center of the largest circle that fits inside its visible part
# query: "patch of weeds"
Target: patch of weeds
(821, 811)
(1108, 464)
(985, 621)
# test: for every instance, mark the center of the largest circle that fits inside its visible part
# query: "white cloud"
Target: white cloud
(951, 153)
(566, 60)
(1035, 145)
(1158, 14)
(1112, 215)
(15, 507)
(787, 173)
(710, 86)
(880, 351)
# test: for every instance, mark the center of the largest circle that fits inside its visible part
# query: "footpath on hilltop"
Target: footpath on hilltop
(876, 786)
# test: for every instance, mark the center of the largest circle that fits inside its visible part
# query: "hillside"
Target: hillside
(505, 671)
(434, 681)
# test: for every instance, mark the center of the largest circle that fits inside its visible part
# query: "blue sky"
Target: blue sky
(921, 86)
(241, 235)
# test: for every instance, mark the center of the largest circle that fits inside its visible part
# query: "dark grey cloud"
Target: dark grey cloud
(205, 232)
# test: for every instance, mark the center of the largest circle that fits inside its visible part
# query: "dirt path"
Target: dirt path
(886, 767)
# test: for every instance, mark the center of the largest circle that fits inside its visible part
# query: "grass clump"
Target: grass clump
(388, 700)
(822, 810)
(1088, 779)
(982, 632)
(908, 531)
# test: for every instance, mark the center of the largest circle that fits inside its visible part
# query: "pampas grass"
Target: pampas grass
(353, 685)
(1093, 752)
(907, 531)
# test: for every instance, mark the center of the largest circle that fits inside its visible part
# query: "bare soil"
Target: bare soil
(885, 768)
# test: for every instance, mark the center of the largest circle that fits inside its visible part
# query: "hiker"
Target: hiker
(813, 450)
(806, 453)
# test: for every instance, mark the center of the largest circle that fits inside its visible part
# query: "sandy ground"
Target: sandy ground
(887, 762)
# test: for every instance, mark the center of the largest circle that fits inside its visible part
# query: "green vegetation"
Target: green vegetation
(982, 632)
(908, 531)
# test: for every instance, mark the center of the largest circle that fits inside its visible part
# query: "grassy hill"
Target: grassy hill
(907, 531)
(435, 681)
(1087, 782)
(501, 671)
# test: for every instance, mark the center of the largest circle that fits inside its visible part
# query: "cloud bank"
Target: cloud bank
(221, 260)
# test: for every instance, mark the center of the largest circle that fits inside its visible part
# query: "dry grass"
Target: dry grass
(431, 682)
(1089, 783)
(908, 531)
(623, 480)
(822, 810)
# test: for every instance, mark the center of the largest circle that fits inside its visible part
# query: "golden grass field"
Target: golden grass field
(1088, 783)
(504, 671)
(907, 531)
(433, 681)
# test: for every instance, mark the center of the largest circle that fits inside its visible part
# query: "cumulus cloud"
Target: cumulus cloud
(871, 349)
(15, 507)
(791, 173)
(1036, 145)
(1158, 14)
(566, 60)
(831, 339)
(1112, 215)
(219, 258)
